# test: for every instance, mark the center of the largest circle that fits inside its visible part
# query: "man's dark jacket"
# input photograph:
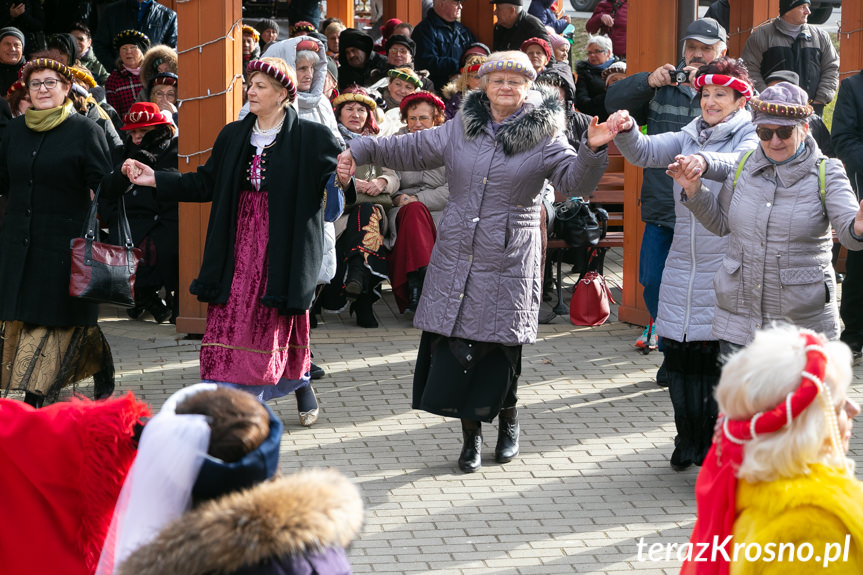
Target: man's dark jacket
(527, 26)
(440, 44)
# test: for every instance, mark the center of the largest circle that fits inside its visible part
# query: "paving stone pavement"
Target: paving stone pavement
(592, 478)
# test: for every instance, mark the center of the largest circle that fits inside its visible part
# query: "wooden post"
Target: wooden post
(210, 73)
(343, 10)
(744, 17)
(650, 44)
(478, 16)
(405, 10)
(851, 39)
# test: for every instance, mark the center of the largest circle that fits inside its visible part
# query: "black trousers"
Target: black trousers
(851, 306)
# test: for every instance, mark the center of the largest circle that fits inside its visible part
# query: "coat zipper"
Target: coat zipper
(692, 222)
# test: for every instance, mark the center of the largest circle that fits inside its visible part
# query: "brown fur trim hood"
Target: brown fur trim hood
(307, 511)
(158, 52)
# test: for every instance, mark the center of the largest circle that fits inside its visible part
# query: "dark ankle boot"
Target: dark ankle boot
(414, 291)
(471, 452)
(507, 435)
(363, 308)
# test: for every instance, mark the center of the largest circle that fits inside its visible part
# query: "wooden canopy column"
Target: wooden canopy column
(649, 44)
(851, 40)
(405, 10)
(211, 95)
(744, 16)
(343, 10)
(478, 16)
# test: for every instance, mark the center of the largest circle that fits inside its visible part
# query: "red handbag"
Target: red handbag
(590, 300)
(104, 273)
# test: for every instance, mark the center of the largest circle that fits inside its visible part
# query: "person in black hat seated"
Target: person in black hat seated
(400, 52)
(124, 83)
(357, 60)
(204, 496)
(441, 40)
(269, 30)
(515, 25)
(11, 56)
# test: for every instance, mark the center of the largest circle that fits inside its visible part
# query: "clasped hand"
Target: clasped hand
(687, 171)
(138, 173)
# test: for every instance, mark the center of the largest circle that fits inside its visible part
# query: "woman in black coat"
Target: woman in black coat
(50, 160)
(270, 180)
(153, 219)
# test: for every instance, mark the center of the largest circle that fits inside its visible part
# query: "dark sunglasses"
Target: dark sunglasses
(766, 134)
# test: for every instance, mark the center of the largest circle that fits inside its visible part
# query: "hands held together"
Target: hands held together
(345, 167)
(687, 171)
(138, 173)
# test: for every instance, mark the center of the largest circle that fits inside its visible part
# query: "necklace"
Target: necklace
(270, 131)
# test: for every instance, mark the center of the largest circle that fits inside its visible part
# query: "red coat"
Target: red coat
(62, 467)
(617, 9)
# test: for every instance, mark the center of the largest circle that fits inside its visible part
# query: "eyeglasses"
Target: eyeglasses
(510, 83)
(595, 52)
(422, 119)
(766, 134)
(49, 84)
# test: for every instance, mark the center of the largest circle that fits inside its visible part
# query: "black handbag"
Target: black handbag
(101, 272)
(579, 224)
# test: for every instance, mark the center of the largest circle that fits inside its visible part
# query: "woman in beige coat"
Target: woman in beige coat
(777, 208)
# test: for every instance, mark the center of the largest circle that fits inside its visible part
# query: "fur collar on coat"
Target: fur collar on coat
(308, 511)
(541, 117)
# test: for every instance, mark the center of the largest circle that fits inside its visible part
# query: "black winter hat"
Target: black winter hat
(66, 44)
(353, 38)
(404, 41)
(786, 5)
(139, 39)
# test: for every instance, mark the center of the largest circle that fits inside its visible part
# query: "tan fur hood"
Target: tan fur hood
(308, 510)
(158, 52)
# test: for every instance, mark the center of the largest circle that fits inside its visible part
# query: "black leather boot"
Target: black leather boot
(471, 453)
(507, 435)
(414, 291)
(37, 400)
(355, 281)
(362, 306)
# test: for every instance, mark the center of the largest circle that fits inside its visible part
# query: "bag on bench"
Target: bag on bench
(579, 224)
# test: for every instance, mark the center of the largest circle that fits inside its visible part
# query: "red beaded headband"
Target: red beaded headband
(275, 73)
(723, 80)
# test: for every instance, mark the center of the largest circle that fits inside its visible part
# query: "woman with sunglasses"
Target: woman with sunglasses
(777, 209)
(686, 300)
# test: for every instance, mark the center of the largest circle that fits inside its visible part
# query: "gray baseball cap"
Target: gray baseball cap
(706, 31)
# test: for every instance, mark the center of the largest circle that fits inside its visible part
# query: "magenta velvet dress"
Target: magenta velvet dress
(245, 343)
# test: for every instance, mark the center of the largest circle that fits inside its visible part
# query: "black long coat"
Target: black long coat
(47, 177)
(298, 165)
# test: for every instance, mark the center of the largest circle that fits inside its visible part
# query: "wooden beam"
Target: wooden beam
(206, 70)
(405, 10)
(478, 16)
(343, 10)
(650, 44)
(851, 39)
(744, 17)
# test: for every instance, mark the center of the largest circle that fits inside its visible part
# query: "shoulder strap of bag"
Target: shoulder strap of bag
(740, 169)
(822, 182)
(822, 176)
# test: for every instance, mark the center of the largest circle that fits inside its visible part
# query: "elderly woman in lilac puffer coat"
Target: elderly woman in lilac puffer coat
(481, 296)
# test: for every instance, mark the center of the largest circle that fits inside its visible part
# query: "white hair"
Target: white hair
(306, 57)
(721, 48)
(600, 40)
(758, 378)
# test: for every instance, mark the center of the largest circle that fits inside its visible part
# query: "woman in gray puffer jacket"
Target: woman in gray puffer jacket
(777, 266)
(482, 289)
(686, 297)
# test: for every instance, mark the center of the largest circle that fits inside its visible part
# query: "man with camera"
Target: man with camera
(664, 101)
